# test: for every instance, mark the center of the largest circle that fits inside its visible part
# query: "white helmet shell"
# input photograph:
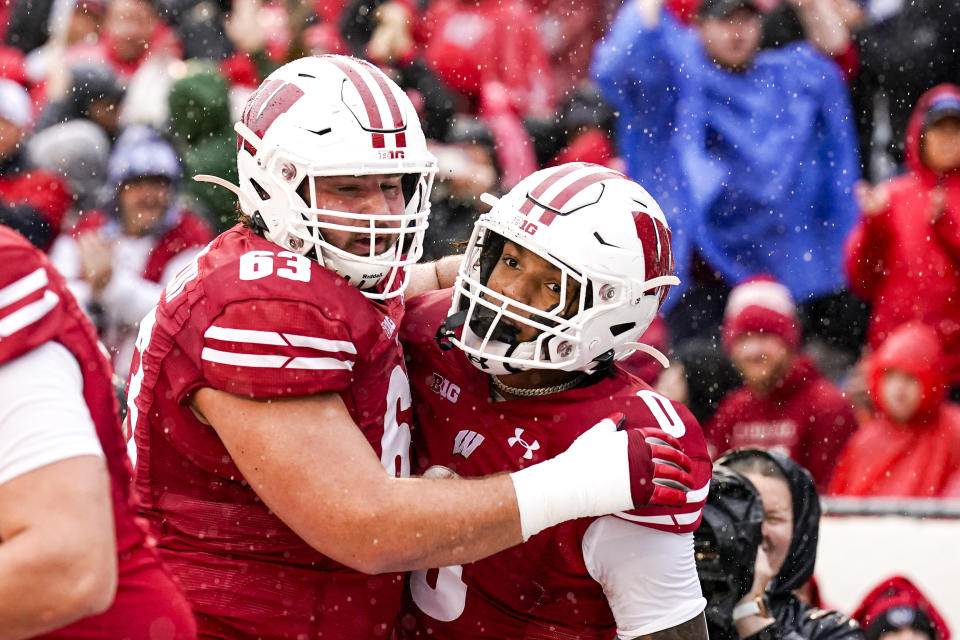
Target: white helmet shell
(611, 243)
(335, 116)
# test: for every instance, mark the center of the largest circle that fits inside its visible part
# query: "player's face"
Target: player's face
(376, 194)
(777, 529)
(143, 203)
(733, 40)
(524, 276)
(762, 359)
(900, 395)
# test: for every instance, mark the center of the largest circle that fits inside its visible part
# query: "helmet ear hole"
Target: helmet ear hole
(618, 329)
(260, 190)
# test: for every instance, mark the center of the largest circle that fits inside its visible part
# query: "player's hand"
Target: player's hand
(659, 469)
(604, 471)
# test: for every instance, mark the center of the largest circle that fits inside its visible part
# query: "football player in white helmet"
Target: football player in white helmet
(560, 279)
(269, 393)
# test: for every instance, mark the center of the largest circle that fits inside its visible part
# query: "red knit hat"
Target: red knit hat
(761, 305)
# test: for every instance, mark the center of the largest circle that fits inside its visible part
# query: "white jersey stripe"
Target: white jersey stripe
(669, 521)
(25, 316)
(321, 344)
(243, 335)
(319, 364)
(23, 287)
(243, 359)
(252, 336)
(273, 362)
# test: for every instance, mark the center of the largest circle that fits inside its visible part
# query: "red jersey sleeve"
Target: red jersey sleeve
(276, 348)
(31, 309)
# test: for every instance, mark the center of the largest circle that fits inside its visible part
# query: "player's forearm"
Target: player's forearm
(45, 586)
(418, 523)
(430, 276)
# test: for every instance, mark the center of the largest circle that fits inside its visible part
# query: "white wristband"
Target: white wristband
(591, 478)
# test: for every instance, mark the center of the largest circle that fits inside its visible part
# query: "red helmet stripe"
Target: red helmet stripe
(369, 102)
(271, 100)
(541, 188)
(562, 198)
(392, 103)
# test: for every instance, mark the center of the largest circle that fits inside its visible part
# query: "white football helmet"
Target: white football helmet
(611, 243)
(333, 116)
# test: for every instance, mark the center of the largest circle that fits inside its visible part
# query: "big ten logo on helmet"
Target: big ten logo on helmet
(392, 154)
(525, 225)
(445, 388)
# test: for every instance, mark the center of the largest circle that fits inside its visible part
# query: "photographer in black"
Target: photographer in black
(749, 581)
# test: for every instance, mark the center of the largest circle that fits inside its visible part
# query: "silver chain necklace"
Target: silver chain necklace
(536, 391)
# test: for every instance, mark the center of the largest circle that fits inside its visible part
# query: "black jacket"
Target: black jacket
(795, 619)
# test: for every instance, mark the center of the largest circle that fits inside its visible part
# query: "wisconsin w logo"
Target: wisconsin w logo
(466, 443)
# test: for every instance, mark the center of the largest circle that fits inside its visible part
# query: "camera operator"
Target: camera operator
(784, 559)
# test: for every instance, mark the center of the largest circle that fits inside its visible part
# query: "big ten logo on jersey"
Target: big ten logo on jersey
(525, 225)
(445, 388)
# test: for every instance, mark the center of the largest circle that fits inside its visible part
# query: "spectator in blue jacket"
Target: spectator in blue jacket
(752, 153)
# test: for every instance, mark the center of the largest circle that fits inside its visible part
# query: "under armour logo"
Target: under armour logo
(516, 439)
(480, 361)
(466, 443)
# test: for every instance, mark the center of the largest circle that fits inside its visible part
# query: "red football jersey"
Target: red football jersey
(542, 588)
(36, 307)
(249, 318)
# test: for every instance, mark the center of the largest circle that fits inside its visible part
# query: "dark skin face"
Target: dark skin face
(524, 276)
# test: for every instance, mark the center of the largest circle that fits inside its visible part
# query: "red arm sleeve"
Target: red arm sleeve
(276, 348)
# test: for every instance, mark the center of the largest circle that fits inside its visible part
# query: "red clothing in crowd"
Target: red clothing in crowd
(42, 191)
(916, 458)
(469, 44)
(899, 593)
(163, 41)
(805, 417)
(897, 253)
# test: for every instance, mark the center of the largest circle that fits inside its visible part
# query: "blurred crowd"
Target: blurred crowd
(806, 154)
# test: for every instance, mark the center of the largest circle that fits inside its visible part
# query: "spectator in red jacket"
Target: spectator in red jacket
(911, 445)
(32, 201)
(896, 609)
(785, 405)
(908, 240)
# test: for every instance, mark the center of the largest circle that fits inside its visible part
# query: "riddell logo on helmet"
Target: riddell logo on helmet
(393, 154)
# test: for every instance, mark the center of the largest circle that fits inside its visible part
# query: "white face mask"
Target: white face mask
(497, 349)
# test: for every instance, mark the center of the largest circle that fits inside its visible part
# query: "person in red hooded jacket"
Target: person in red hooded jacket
(911, 446)
(785, 404)
(908, 238)
(896, 608)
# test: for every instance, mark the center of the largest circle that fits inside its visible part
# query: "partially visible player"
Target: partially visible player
(73, 561)
(559, 280)
(270, 393)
